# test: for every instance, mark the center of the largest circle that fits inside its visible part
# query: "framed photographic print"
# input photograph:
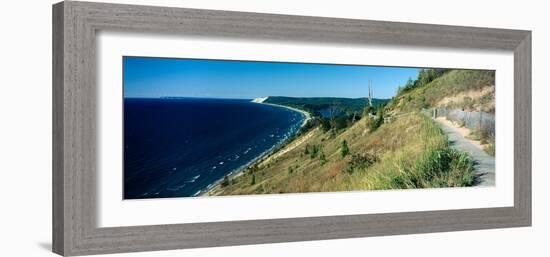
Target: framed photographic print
(182, 128)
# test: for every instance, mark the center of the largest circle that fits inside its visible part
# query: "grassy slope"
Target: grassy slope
(411, 151)
(451, 84)
(406, 148)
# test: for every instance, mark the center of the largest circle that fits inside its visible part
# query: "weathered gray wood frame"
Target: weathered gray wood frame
(74, 126)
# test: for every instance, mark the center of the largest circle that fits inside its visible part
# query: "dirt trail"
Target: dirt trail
(484, 163)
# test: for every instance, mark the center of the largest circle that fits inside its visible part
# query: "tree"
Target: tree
(423, 78)
(253, 180)
(399, 90)
(368, 110)
(426, 76)
(409, 85)
(333, 111)
(344, 150)
(313, 151)
(322, 158)
(339, 123)
(378, 121)
(325, 124)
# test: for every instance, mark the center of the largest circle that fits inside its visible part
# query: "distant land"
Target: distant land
(324, 106)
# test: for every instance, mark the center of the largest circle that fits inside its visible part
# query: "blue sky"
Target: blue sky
(156, 77)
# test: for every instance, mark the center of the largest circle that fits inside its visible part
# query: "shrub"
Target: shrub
(344, 149)
(378, 121)
(312, 150)
(253, 180)
(443, 167)
(368, 110)
(361, 162)
(322, 158)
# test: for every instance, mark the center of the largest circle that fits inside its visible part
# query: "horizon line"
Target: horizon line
(210, 97)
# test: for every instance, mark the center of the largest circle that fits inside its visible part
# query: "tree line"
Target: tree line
(425, 76)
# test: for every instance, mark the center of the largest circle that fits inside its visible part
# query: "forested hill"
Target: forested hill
(318, 105)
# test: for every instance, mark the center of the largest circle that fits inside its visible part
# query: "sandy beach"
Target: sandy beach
(306, 114)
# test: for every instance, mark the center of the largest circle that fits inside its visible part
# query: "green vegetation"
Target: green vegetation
(331, 105)
(322, 158)
(425, 76)
(391, 145)
(361, 162)
(418, 158)
(312, 150)
(333, 115)
(445, 90)
(375, 123)
(410, 152)
(253, 181)
(344, 149)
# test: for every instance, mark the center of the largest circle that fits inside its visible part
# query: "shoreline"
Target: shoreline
(306, 114)
(239, 171)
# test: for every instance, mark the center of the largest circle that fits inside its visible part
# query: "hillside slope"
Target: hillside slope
(472, 90)
(411, 152)
(407, 151)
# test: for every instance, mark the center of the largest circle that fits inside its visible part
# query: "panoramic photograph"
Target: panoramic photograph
(200, 127)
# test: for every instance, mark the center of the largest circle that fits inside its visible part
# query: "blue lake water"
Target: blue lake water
(179, 147)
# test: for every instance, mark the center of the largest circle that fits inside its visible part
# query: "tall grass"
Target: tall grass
(442, 167)
(422, 159)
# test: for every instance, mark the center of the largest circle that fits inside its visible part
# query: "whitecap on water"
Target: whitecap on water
(176, 188)
(193, 179)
